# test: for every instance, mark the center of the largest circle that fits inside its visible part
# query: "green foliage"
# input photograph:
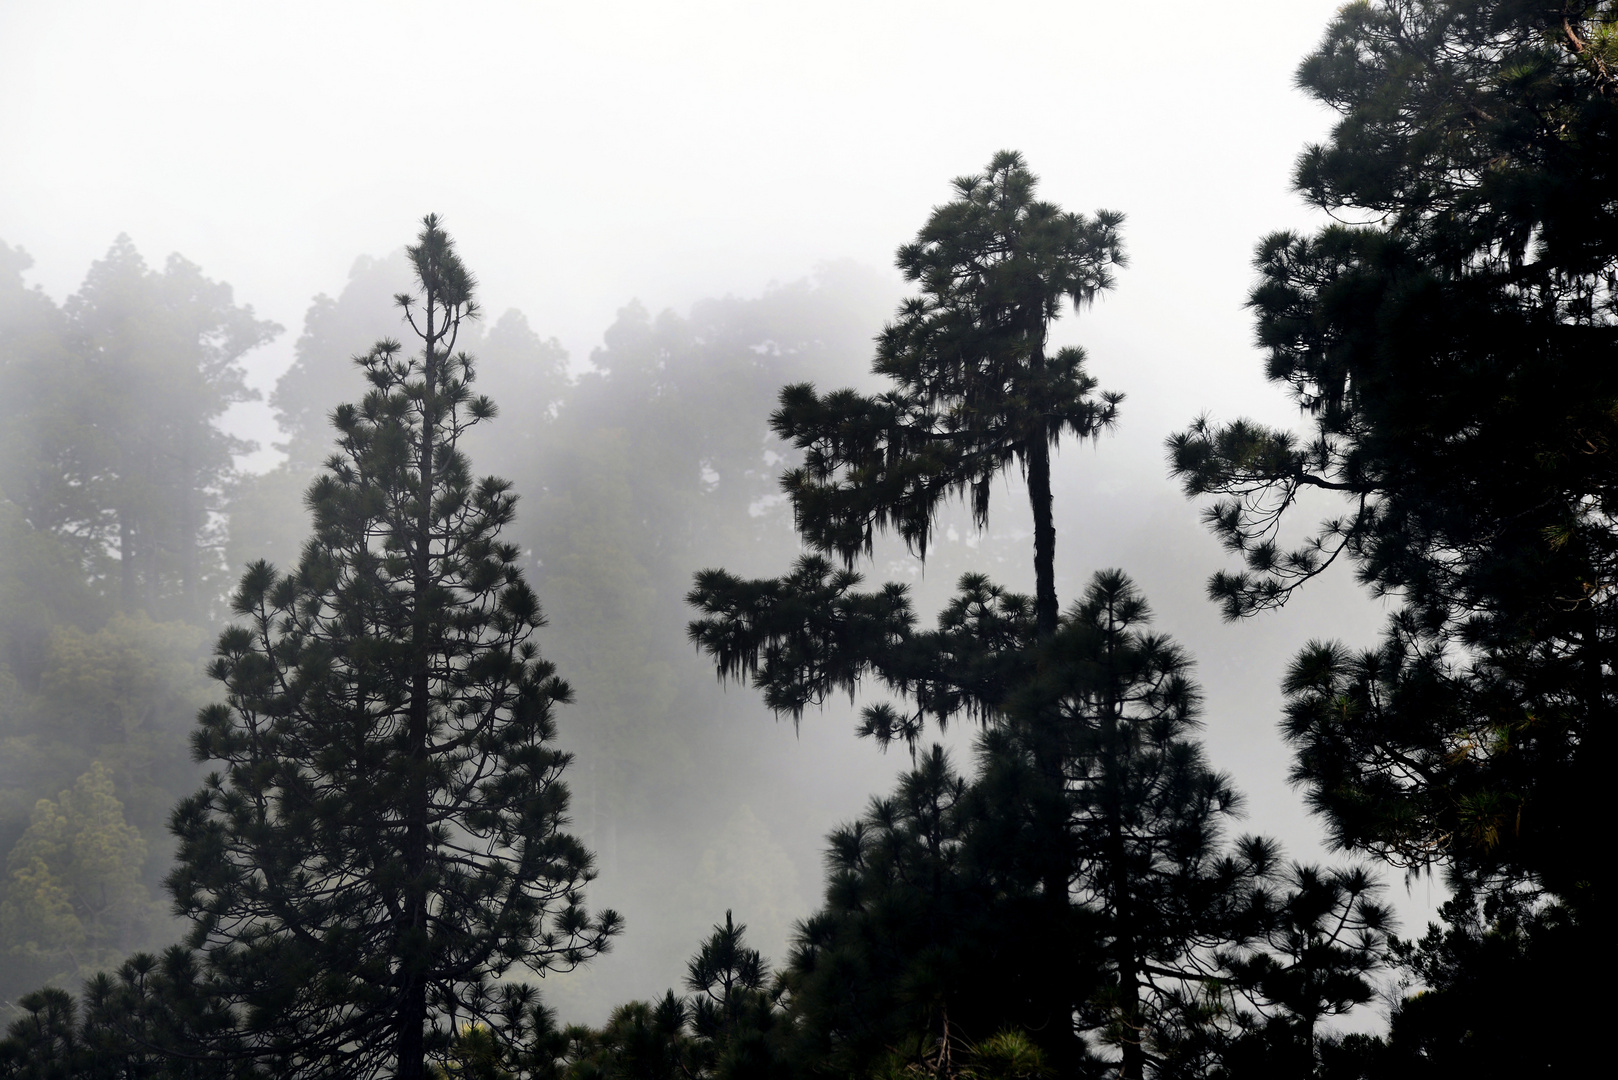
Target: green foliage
(108, 709)
(1007, 1055)
(385, 839)
(116, 450)
(129, 691)
(1449, 343)
(42, 581)
(111, 471)
(73, 902)
(973, 388)
(1452, 358)
(42, 460)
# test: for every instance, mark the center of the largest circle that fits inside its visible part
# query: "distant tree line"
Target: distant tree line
(621, 492)
(383, 847)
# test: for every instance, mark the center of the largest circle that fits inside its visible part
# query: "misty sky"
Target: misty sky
(586, 154)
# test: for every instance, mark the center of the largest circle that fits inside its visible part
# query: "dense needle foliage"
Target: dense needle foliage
(385, 836)
(974, 390)
(384, 850)
(1450, 344)
(1084, 866)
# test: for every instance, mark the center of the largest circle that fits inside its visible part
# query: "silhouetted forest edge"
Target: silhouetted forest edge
(404, 706)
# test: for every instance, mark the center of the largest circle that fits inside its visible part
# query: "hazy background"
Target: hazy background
(585, 155)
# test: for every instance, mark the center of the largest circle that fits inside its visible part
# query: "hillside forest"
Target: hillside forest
(372, 764)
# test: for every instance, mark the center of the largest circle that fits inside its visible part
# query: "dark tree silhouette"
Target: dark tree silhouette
(974, 392)
(384, 838)
(1450, 343)
(974, 389)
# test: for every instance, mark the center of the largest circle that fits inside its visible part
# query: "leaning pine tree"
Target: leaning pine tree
(384, 839)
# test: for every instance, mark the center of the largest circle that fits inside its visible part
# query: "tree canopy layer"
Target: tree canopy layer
(111, 442)
(1450, 342)
(973, 392)
(104, 396)
(1451, 352)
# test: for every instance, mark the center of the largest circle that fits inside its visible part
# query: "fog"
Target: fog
(585, 156)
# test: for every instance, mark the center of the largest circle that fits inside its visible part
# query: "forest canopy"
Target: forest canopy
(317, 771)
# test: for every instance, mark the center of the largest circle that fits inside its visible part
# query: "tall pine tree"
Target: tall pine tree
(1142, 816)
(931, 935)
(974, 391)
(385, 836)
(1179, 950)
(974, 388)
(1452, 357)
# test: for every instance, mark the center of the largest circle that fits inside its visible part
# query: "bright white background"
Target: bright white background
(587, 153)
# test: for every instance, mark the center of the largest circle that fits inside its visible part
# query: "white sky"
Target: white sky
(585, 154)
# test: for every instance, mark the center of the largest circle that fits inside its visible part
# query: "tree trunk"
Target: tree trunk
(150, 535)
(1039, 498)
(1058, 999)
(412, 1013)
(190, 532)
(1133, 1066)
(1125, 935)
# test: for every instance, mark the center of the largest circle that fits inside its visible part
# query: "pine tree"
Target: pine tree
(735, 1009)
(974, 392)
(385, 837)
(1143, 815)
(110, 432)
(723, 971)
(974, 388)
(931, 933)
(72, 901)
(161, 362)
(1452, 359)
(145, 1021)
(1314, 951)
(1179, 952)
(731, 1027)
